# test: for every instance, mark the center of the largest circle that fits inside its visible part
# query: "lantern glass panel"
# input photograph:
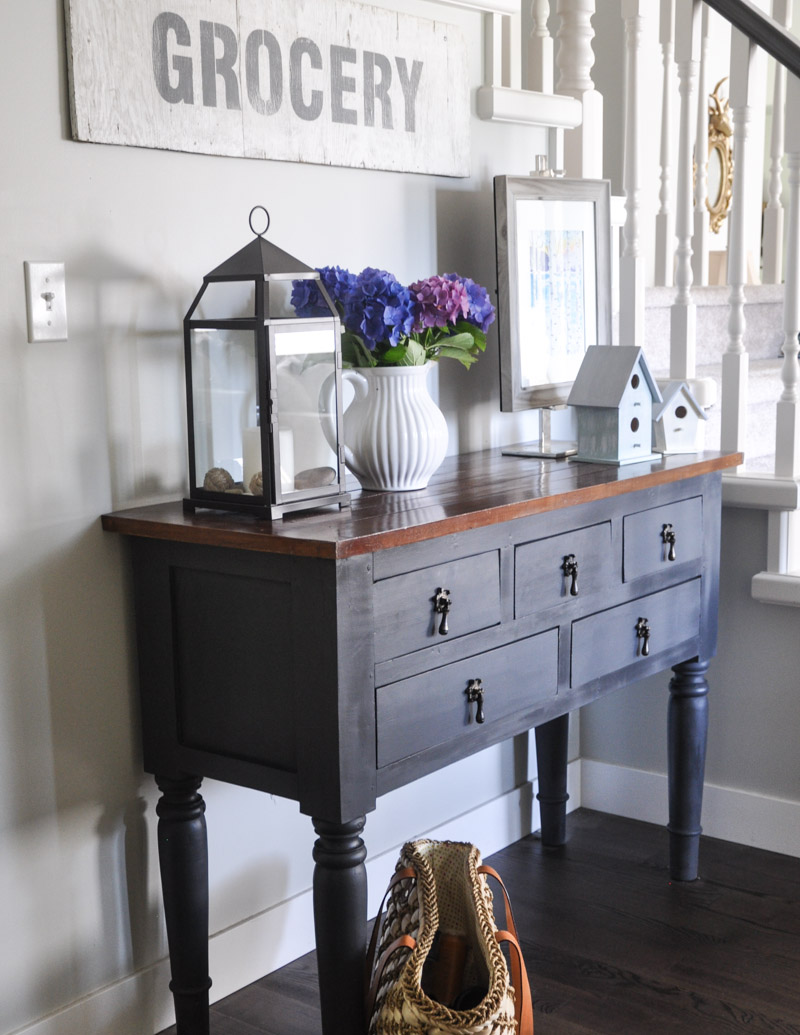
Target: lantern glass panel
(226, 300)
(305, 364)
(224, 403)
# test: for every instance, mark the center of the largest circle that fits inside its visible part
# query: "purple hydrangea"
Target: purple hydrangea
(378, 307)
(439, 301)
(481, 311)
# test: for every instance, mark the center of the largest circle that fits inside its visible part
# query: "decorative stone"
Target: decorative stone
(218, 480)
(314, 478)
(257, 484)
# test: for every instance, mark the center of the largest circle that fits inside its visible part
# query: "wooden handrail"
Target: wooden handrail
(762, 29)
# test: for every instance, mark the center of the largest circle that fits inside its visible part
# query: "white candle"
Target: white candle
(251, 457)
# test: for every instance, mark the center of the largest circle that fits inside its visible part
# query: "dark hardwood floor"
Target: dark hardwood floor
(611, 945)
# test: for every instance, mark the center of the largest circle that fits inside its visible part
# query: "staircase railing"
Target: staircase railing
(576, 146)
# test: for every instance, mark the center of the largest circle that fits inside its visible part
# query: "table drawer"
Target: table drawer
(607, 641)
(430, 709)
(645, 549)
(406, 619)
(540, 578)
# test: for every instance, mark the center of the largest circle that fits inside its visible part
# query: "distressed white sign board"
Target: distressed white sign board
(324, 81)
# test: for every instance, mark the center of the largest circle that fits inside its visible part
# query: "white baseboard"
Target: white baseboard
(729, 814)
(260, 944)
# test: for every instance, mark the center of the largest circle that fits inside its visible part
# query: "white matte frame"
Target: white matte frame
(526, 204)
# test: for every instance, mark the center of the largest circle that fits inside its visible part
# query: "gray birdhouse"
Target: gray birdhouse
(678, 422)
(614, 395)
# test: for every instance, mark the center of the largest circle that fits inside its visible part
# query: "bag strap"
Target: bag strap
(398, 875)
(404, 941)
(523, 1004)
(490, 872)
(369, 983)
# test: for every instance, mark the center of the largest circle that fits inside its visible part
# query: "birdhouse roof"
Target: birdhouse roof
(605, 373)
(670, 392)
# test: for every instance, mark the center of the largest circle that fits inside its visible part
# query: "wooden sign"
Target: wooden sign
(325, 81)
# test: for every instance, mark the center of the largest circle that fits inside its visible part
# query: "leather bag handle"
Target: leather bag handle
(405, 940)
(523, 1003)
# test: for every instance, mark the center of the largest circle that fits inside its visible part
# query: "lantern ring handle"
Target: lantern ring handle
(259, 208)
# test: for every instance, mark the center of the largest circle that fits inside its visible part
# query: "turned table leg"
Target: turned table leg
(551, 763)
(340, 919)
(183, 857)
(687, 730)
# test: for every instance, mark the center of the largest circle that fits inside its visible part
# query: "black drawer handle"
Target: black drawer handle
(570, 569)
(668, 538)
(441, 605)
(642, 638)
(475, 693)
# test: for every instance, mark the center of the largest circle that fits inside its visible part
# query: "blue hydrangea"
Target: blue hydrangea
(307, 299)
(378, 308)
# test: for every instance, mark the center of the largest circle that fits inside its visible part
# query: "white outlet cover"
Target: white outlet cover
(46, 297)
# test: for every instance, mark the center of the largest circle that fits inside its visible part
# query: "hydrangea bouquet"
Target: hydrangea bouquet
(387, 324)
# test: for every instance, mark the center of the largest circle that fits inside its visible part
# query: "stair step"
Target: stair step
(763, 316)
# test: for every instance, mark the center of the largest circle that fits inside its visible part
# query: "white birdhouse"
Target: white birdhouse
(678, 421)
(614, 395)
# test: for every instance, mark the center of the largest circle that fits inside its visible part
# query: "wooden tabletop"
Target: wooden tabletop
(468, 491)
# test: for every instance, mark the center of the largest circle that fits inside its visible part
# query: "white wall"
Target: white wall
(96, 423)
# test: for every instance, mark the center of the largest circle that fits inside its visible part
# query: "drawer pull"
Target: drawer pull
(441, 605)
(474, 692)
(570, 569)
(668, 537)
(643, 638)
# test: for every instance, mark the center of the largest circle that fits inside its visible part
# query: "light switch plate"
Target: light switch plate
(46, 297)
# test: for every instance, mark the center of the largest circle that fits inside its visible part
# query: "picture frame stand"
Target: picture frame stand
(547, 448)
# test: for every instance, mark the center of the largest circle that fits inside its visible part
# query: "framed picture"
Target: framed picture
(553, 241)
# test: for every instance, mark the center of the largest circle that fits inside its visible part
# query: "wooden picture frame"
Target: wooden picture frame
(553, 239)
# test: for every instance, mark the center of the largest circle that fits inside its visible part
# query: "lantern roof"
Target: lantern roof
(258, 260)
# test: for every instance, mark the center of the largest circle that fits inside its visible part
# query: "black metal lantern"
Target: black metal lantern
(263, 388)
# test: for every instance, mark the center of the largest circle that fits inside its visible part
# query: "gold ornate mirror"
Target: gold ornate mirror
(720, 158)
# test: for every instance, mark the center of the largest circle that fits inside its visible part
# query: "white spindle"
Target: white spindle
(665, 237)
(735, 362)
(787, 442)
(683, 315)
(495, 49)
(772, 250)
(540, 49)
(700, 237)
(583, 146)
(632, 272)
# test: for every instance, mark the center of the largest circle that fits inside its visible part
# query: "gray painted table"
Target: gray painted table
(333, 656)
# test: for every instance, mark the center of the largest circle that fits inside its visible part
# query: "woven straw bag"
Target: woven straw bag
(434, 963)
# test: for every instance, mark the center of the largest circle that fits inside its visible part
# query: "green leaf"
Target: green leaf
(463, 356)
(458, 341)
(415, 354)
(354, 352)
